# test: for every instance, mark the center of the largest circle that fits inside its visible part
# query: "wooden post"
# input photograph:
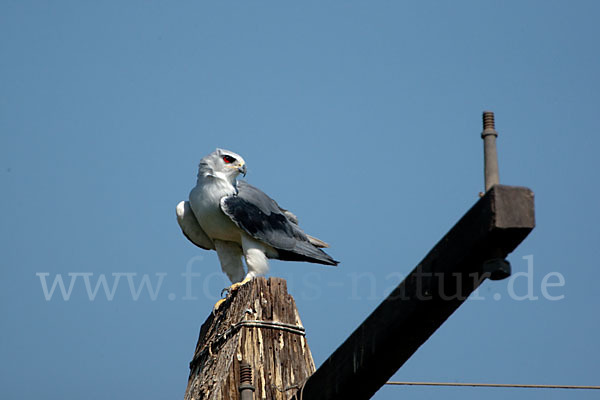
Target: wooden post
(259, 325)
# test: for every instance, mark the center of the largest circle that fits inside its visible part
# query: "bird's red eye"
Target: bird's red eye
(228, 159)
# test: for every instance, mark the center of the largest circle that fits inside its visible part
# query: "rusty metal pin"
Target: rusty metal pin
(246, 388)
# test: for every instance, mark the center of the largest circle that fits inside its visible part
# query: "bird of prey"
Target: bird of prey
(239, 221)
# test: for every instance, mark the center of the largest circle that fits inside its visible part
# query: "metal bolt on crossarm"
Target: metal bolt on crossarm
(490, 155)
(498, 268)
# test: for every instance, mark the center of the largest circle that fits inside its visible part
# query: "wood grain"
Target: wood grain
(279, 354)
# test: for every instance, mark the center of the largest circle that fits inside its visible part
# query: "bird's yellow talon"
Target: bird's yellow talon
(217, 305)
(237, 285)
(230, 290)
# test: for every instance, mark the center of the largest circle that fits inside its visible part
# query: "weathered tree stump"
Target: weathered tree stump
(258, 324)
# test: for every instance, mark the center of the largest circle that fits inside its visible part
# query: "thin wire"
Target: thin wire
(296, 329)
(495, 385)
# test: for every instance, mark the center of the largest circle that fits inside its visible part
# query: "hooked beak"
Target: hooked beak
(242, 169)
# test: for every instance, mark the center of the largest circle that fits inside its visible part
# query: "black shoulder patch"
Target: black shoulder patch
(271, 228)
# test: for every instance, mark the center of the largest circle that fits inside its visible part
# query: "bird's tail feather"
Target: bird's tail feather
(317, 242)
(306, 251)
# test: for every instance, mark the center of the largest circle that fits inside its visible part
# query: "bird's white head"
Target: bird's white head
(223, 164)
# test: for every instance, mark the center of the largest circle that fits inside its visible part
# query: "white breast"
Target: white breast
(205, 202)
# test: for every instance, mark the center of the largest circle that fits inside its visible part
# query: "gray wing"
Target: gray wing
(191, 228)
(294, 220)
(262, 218)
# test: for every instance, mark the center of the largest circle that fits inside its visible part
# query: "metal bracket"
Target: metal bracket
(497, 268)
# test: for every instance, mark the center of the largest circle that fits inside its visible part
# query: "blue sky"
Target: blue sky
(361, 117)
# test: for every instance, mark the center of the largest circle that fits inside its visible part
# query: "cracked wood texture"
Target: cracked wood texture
(280, 358)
